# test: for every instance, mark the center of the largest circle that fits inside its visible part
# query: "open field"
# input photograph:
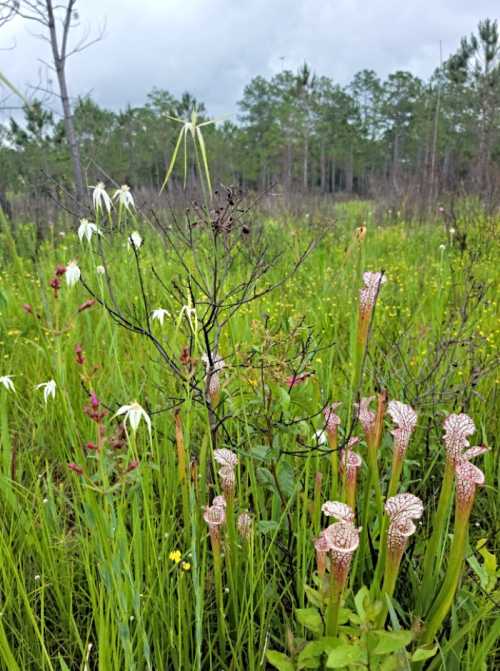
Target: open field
(106, 557)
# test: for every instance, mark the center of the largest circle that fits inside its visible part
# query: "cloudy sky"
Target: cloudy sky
(214, 47)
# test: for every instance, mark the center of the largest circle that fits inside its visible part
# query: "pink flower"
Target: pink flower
(228, 480)
(322, 546)
(343, 540)
(296, 379)
(219, 502)
(244, 525)
(332, 421)
(457, 429)
(215, 517)
(337, 510)
(351, 461)
(468, 477)
(86, 304)
(365, 415)
(402, 509)
(75, 468)
(406, 419)
(225, 457)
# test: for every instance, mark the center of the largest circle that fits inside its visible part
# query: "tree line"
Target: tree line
(296, 131)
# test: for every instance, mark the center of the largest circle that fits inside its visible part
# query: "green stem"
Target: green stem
(444, 599)
(390, 577)
(433, 552)
(332, 611)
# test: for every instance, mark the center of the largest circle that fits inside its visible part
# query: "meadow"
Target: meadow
(169, 443)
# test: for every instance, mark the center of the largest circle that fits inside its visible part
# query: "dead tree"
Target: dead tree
(57, 21)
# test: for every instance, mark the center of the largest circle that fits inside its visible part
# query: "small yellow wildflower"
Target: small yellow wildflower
(175, 556)
(186, 566)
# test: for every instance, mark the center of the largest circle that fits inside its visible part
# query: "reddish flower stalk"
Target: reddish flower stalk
(322, 547)
(87, 304)
(212, 378)
(79, 355)
(75, 468)
(350, 463)
(369, 420)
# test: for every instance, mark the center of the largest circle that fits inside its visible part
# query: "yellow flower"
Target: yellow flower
(175, 556)
(186, 566)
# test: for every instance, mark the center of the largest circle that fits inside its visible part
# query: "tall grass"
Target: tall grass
(90, 576)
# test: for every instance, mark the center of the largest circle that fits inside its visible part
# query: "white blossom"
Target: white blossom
(72, 274)
(87, 229)
(124, 197)
(134, 240)
(100, 197)
(6, 380)
(49, 389)
(100, 270)
(133, 415)
(159, 314)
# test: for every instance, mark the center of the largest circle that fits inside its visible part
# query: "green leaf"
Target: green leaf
(280, 661)
(284, 398)
(314, 596)
(265, 477)
(424, 652)
(266, 526)
(345, 655)
(310, 619)
(361, 601)
(310, 655)
(389, 641)
(286, 479)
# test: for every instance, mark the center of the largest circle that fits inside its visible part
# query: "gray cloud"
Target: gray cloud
(214, 47)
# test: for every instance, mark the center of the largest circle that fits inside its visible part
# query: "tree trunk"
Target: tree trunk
(69, 126)
(322, 168)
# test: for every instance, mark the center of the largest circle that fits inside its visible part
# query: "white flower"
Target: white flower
(321, 437)
(452, 231)
(87, 229)
(72, 274)
(159, 314)
(100, 197)
(134, 240)
(100, 270)
(133, 414)
(49, 389)
(124, 197)
(442, 247)
(6, 380)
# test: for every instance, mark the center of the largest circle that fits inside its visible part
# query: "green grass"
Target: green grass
(85, 575)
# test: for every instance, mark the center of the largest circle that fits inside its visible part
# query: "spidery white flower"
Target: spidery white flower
(86, 230)
(134, 240)
(100, 197)
(100, 270)
(6, 380)
(124, 197)
(72, 274)
(159, 315)
(134, 413)
(49, 389)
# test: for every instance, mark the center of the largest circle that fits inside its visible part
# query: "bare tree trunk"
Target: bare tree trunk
(306, 162)
(322, 168)
(59, 56)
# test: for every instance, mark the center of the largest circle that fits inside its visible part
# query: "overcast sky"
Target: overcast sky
(214, 47)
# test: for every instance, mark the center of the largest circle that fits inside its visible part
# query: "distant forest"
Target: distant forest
(296, 131)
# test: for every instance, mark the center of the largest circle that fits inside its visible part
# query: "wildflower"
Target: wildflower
(100, 270)
(322, 546)
(49, 389)
(134, 240)
(186, 566)
(133, 415)
(60, 270)
(442, 247)
(55, 284)
(468, 477)
(72, 274)
(350, 463)
(360, 233)
(244, 525)
(124, 197)
(339, 511)
(79, 355)
(225, 457)
(159, 314)
(215, 517)
(6, 380)
(175, 556)
(100, 197)
(219, 502)
(212, 378)
(87, 229)
(368, 294)
(321, 437)
(452, 231)
(405, 419)
(457, 429)
(332, 421)
(402, 509)
(27, 308)
(366, 417)
(86, 304)
(228, 481)
(75, 468)
(297, 378)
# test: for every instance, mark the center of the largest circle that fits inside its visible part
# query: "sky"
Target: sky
(213, 48)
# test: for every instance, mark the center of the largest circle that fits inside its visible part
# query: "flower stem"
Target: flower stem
(332, 611)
